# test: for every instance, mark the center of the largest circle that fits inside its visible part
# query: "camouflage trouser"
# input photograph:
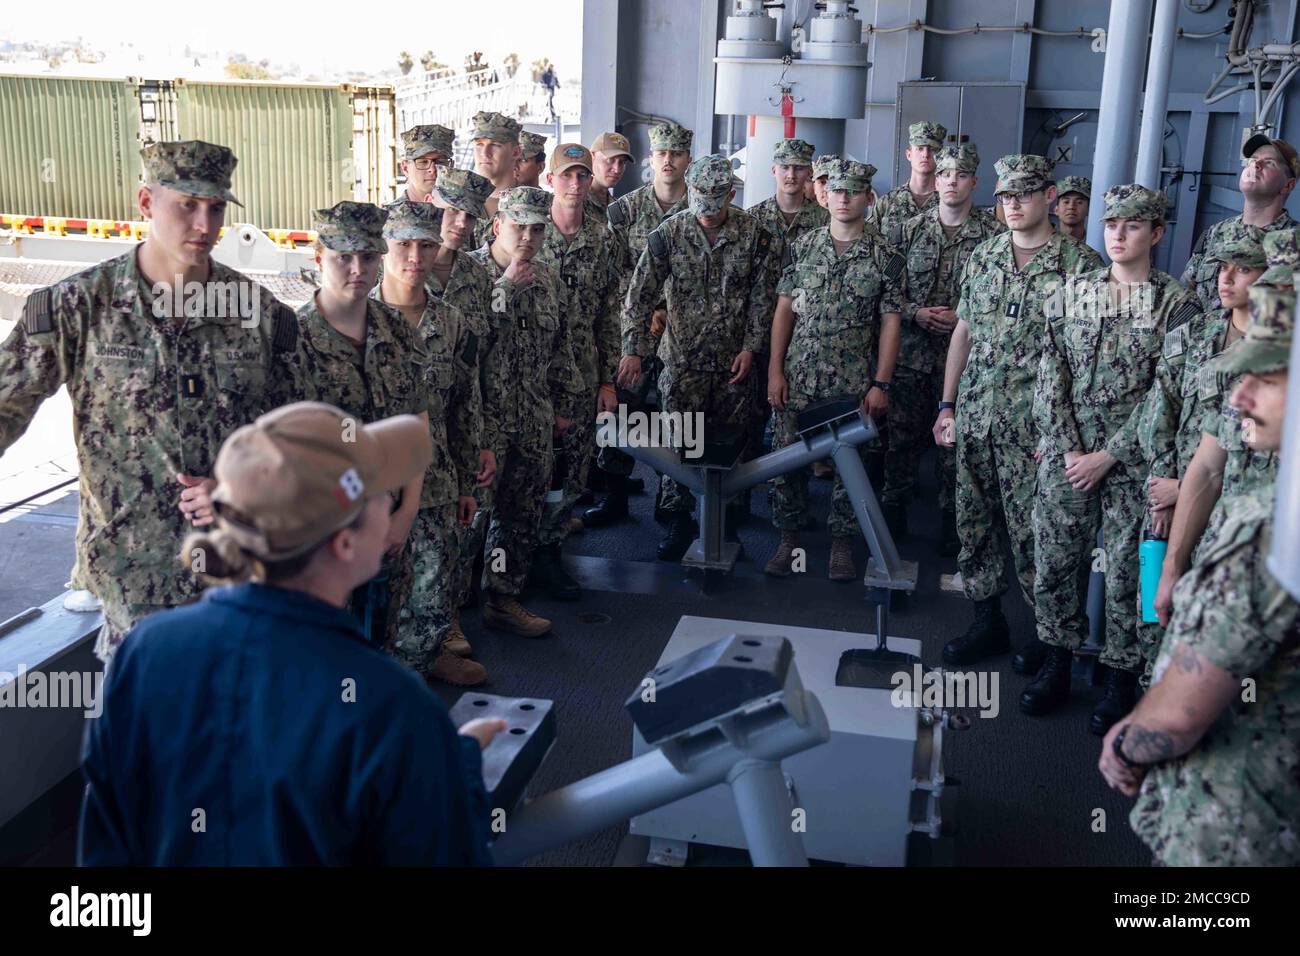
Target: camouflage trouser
(1065, 534)
(995, 502)
(118, 621)
(576, 449)
(757, 380)
(790, 491)
(424, 612)
(615, 461)
(722, 404)
(913, 407)
(523, 478)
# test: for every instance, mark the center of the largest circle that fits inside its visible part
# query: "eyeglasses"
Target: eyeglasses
(1015, 199)
(423, 164)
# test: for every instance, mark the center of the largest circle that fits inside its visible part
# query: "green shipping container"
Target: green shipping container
(69, 147)
(294, 145)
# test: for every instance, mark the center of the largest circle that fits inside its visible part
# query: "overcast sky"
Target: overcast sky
(316, 35)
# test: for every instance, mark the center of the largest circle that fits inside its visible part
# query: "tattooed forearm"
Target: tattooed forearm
(1186, 659)
(1148, 746)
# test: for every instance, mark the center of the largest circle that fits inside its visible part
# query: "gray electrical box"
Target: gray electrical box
(990, 115)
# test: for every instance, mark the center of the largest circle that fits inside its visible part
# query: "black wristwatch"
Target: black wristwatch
(947, 406)
(883, 386)
(1117, 745)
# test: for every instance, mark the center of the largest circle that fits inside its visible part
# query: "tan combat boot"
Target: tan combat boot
(576, 526)
(780, 565)
(842, 566)
(455, 640)
(450, 669)
(503, 613)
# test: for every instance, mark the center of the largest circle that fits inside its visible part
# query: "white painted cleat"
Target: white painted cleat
(83, 602)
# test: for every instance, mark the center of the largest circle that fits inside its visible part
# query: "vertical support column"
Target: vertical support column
(1121, 79)
(1198, 124)
(1152, 140)
(1022, 43)
(599, 67)
(704, 83)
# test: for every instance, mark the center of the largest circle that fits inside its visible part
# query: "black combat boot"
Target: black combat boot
(1051, 688)
(612, 508)
(549, 575)
(682, 530)
(949, 543)
(1029, 659)
(1117, 701)
(987, 636)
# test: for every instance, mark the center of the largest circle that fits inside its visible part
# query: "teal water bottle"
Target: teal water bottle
(1151, 556)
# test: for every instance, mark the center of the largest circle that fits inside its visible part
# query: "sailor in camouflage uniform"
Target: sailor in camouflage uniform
(447, 504)
(988, 394)
(1211, 750)
(714, 263)
(532, 159)
(821, 169)
(1266, 181)
(1223, 464)
(1073, 197)
(1173, 413)
(936, 244)
(917, 195)
(158, 377)
(1105, 335)
(632, 218)
(841, 295)
(363, 357)
(788, 215)
(426, 153)
(530, 378)
(496, 157)
(611, 154)
(579, 247)
(460, 281)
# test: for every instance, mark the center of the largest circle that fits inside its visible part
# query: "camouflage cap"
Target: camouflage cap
(1081, 185)
(708, 182)
(422, 140)
(1022, 173)
(1266, 346)
(465, 190)
(1131, 201)
(530, 144)
(526, 205)
(926, 134)
(495, 126)
(1282, 250)
(963, 158)
(671, 136)
(822, 164)
(1238, 244)
(849, 175)
(792, 152)
(191, 167)
(351, 227)
(413, 220)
